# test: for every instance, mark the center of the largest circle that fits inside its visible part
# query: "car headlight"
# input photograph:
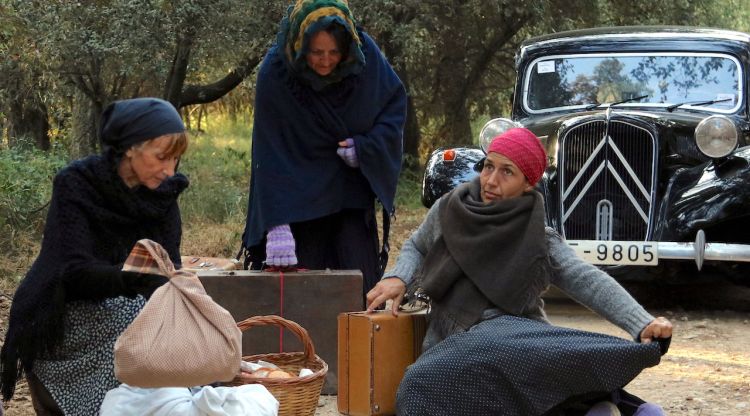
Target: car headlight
(494, 128)
(716, 136)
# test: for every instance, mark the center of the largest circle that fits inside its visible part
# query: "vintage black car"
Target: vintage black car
(647, 132)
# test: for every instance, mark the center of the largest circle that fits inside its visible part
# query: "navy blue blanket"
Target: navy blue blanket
(296, 174)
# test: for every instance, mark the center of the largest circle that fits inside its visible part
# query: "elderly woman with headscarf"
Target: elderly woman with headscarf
(484, 258)
(327, 139)
(75, 300)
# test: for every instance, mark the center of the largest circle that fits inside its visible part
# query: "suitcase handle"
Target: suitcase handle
(275, 320)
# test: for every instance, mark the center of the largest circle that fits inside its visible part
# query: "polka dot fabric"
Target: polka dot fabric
(81, 370)
(517, 366)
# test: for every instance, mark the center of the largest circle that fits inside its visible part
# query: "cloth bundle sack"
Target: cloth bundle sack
(248, 399)
(181, 338)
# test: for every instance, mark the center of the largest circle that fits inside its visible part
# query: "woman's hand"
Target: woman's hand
(658, 328)
(388, 288)
(348, 153)
(280, 247)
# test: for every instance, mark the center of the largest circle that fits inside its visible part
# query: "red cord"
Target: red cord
(281, 310)
(280, 270)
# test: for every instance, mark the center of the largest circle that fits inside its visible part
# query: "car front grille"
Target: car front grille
(606, 170)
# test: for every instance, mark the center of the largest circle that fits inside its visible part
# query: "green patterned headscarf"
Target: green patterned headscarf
(307, 17)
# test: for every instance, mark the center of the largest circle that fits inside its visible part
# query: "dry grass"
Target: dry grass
(14, 264)
(210, 239)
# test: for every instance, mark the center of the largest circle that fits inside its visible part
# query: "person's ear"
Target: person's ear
(528, 187)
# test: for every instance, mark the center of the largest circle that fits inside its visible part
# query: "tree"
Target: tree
(390, 23)
(185, 51)
(24, 107)
(458, 56)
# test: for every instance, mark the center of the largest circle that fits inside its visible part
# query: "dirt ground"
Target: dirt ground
(705, 373)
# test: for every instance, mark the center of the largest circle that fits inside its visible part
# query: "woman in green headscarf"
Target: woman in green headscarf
(327, 141)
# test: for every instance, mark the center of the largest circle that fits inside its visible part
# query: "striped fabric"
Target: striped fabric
(305, 18)
(148, 256)
(307, 12)
(140, 259)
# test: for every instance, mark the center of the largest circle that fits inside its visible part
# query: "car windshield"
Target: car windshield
(577, 81)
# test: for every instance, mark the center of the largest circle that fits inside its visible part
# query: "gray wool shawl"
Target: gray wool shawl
(489, 256)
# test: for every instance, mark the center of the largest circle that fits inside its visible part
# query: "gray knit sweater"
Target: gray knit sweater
(582, 281)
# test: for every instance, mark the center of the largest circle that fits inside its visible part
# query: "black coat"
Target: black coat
(93, 222)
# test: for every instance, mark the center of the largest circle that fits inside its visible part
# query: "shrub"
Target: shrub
(219, 172)
(25, 190)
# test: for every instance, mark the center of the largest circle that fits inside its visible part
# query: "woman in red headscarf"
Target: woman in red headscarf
(484, 257)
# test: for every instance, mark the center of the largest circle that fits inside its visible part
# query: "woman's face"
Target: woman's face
(501, 179)
(149, 164)
(324, 54)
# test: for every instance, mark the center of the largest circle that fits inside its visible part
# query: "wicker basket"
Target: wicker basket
(297, 396)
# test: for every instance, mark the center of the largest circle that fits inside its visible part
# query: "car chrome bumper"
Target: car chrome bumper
(699, 251)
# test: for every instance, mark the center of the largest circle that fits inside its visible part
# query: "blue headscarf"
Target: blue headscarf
(129, 122)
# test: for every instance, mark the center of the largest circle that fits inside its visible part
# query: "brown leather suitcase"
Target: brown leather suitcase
(312, 298)
(374, 351)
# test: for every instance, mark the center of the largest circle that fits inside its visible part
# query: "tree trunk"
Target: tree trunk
(27, 118)
(456, 128)
(178, 72)
(84, 124)
(204, 94)
(28, 124)
(411, 129)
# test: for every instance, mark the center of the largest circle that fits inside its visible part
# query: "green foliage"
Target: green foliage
(409, 191)
(218, 165)
(456, 57)
(25, 189)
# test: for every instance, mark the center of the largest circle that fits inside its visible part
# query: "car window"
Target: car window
(576, 81)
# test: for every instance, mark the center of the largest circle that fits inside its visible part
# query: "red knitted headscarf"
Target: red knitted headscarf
(525, 150)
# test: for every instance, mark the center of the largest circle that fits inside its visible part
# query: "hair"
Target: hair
(178, 144)
(343, 38)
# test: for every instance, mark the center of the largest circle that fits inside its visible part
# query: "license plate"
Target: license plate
(610, 253)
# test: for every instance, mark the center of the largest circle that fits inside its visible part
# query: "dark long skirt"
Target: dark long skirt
(517, 366)
(346, 240)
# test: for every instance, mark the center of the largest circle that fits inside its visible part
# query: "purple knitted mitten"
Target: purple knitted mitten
(649, 409)
(280, 247)
(348, 153)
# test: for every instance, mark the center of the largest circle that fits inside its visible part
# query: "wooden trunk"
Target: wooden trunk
(374, 351)
(313, 299)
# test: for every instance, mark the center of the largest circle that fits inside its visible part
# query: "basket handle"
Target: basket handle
(276, 320)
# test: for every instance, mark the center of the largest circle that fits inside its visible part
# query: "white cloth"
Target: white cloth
(248, 399)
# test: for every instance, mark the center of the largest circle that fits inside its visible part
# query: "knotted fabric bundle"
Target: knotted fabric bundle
(181, 338)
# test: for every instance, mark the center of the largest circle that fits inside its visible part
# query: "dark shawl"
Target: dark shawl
(93, 222)
(296, 174)
(489, 256)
